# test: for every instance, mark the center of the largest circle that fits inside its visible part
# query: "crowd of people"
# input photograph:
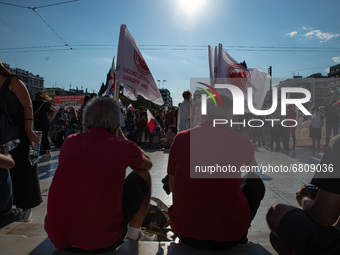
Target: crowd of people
(100, 141)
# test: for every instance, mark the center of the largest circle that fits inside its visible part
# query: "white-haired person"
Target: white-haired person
(91, 205)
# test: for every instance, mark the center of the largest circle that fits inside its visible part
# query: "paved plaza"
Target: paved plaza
(30, 238)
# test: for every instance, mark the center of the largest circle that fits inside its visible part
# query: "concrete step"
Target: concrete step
(14, 244)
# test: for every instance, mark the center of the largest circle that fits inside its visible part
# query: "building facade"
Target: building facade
(166, 97)
(334, 75)
(34, 83)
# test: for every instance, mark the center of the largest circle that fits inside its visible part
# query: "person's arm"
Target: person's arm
(324, 210)
(171, 182)
(6, 160)
(20, 91)
(54, 112)
(147, 163)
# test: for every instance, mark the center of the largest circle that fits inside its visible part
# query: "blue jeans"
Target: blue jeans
(329, 127)
(6, 196)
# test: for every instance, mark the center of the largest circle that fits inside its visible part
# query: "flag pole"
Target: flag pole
(116, 92)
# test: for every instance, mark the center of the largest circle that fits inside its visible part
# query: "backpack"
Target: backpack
(9, 131)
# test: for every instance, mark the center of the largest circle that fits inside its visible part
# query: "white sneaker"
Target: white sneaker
(26, 217)
(146, 236)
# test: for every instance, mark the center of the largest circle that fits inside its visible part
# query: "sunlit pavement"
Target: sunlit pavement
(30, 238)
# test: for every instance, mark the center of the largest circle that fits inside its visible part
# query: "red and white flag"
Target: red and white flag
(231, 72)
(132, 71)
(112, 81)
(152, 122)
(130, 107)
(121, 104)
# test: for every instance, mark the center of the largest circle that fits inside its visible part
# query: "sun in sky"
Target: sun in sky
(190, 7)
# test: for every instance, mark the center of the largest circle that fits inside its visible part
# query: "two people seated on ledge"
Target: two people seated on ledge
(212, 212)
(313, 228)
(91, 205)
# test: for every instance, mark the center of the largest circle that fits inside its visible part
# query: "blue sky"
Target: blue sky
(308, 29)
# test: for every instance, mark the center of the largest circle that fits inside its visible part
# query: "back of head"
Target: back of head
(218, 111)
(102, 112)
(186, 94)
(86, 99)
(42, 96)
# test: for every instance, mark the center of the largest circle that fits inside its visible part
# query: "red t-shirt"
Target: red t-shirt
(291, 114)
(209, 209)
(85, 198)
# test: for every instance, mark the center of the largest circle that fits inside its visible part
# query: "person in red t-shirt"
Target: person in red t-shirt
(212, 211)
(91, 205)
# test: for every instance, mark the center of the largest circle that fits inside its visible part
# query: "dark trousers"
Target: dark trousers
(291, 132)
(275, 133)
(329, 127)
(253, 189)
(6, 195)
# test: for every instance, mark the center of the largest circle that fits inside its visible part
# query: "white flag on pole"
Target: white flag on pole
(231, 72)
(112, 81)
(132, 71)
(213, 60)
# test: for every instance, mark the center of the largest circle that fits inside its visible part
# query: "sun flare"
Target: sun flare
(191, 7)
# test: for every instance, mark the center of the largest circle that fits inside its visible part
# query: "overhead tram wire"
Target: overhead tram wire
(65, 43)
(37, 7)
(49, 5)
(174, 47)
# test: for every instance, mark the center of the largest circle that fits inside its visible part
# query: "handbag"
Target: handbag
(157, 216)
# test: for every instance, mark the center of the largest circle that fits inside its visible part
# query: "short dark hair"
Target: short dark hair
(186, 94)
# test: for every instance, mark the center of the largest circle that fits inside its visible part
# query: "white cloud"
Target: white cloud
(323, 36)
(336, 59)
(327, 70)
(293, 33)
(304, 28)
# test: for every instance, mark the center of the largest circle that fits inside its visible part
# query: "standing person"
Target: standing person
(87, 98)
(332, 119)
(183, 117)
(73, 117)
(169, 117)
(7, 213)
(275, 131)
(105, 206)
(44, 113)
(291, 114)
(196, 109)
(316, 127)
(26, 189)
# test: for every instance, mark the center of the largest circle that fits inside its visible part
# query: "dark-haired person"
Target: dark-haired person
(183, 118)
(26, 188)
(316, 127)
(105, 207)
(331, 119)
(87, 98)
(44, 113)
